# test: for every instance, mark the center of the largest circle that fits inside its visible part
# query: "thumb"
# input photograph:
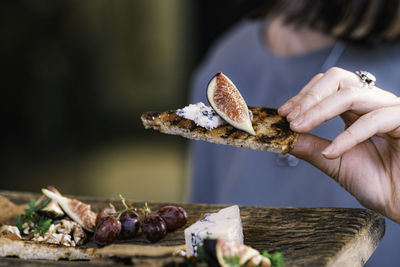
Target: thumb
(309, 147)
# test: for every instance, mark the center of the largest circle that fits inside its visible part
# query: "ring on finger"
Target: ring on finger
(367, 78)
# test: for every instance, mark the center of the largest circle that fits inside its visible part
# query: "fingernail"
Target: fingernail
(285, 108)
(328, 150)
(293, 114)
(297, 121)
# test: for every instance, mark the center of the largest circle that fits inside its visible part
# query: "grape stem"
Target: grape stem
(111, 206)
(124, 202)
(126, 207)
(146, 210)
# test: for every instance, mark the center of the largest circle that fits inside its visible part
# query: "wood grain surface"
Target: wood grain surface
(305, 236)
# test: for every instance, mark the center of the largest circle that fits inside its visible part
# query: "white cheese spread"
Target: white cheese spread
(202, 115)
(225, 224)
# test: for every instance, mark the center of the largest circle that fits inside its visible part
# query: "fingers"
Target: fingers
(366, 111)
(317, 90)
(384, 120)
(356, 99)
(309, 147)
(395, 133)
(288, 106)
(349, 118)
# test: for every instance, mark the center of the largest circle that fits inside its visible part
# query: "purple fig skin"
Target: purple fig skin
(154, 227)
(174, 217)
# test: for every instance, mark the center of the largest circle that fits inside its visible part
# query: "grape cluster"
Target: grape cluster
(111, 225)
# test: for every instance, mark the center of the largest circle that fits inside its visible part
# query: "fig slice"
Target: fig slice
(226, 250)
(52, 210)
(228, 103)
(224, 253)
(76, 210)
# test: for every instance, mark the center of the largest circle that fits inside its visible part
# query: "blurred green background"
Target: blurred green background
(76, 75)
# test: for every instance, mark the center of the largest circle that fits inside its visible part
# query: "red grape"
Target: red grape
(130, 221)
(105, 212)
(174, 217)
(107, 231)
(154, 227)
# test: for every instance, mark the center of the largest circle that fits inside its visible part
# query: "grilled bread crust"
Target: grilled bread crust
(272, 131)
(40, 251)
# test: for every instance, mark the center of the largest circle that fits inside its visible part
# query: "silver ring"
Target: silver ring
(367, 78)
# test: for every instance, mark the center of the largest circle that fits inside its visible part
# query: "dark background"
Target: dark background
(76, 75)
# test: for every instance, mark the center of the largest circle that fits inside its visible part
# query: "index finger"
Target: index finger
(334, 79)
(288, 105)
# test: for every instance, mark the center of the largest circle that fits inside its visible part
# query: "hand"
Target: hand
(365, 157)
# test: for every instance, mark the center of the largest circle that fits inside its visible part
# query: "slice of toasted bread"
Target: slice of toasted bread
(272, 131)
(41, 251)
(30, 250)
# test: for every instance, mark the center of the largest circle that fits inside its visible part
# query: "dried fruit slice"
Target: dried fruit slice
(229, 252)
(227, 101)
(76, 210)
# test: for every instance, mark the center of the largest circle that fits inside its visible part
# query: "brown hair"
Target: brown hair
(364, 21)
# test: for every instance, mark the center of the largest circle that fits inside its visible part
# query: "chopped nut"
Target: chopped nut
(38, 238)
(66, 240)
(11, 232)
(26, 228)
(65, 226)
(54, 238)
(265, 262)
(47, 237)
(255, 261)
(64, 232)
(258, 261)
(79, 235)
(52, 229)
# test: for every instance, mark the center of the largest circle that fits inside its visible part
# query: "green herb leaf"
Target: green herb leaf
(43, 225)
(32, 204)
(201, 255)
(199, 261)
(18, 222)
(29, 213)
(266, 254)
(42, 205)
(277, 259)
(233, 261)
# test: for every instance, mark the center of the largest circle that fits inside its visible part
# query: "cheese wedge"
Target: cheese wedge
(226, 224)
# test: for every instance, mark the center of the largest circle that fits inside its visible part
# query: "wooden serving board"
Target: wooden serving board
(305, 236)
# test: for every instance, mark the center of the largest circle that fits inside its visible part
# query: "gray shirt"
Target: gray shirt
(229, 175)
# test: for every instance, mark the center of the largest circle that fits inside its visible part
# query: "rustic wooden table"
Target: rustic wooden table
(305, 236)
